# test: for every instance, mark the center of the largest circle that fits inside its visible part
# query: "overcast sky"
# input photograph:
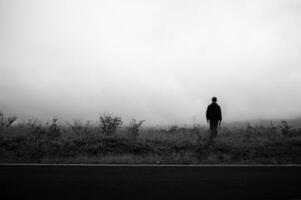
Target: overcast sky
(158, 60)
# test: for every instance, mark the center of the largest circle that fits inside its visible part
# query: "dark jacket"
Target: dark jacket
(214, 112)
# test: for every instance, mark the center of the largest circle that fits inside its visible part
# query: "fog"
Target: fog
(157, 60)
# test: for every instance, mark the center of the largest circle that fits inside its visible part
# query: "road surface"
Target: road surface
(149, 182)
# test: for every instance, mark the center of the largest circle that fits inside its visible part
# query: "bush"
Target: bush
(6, 122)
(81, 131)
(109, 124)
(285, 128)
(54, 130)
(134, 128)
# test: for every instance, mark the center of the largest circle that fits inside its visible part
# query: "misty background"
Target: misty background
(157, 60)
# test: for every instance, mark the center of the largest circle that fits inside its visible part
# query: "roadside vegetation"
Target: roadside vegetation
(110, 141)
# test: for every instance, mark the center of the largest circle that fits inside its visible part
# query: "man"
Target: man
(214, 117)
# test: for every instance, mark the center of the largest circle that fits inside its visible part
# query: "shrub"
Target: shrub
(76, 127)
(134, 128)
(82, 131)
(54, 130)
(173, 129)
(109, 124)
(6, 122)
(285, 128)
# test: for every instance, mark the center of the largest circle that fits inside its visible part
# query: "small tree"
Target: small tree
(134, 128)
(109, 124)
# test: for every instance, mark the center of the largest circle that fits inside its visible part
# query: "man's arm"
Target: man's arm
(207, 114)
(220, 116)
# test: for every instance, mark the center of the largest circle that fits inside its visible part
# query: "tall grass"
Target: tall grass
(77, 142)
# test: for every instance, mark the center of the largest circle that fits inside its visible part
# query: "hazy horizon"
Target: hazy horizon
(156, 60)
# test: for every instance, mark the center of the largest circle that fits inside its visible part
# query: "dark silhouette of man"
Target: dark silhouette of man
(214, 117)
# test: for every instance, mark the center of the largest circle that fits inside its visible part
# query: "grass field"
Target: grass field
(108, 141)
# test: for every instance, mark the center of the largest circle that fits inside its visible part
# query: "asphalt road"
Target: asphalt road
(150, 182)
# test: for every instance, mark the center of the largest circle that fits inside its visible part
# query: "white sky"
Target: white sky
(158, 60)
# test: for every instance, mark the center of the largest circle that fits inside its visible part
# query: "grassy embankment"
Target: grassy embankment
(108, 142)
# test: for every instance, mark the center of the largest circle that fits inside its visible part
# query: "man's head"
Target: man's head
(214, 99)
